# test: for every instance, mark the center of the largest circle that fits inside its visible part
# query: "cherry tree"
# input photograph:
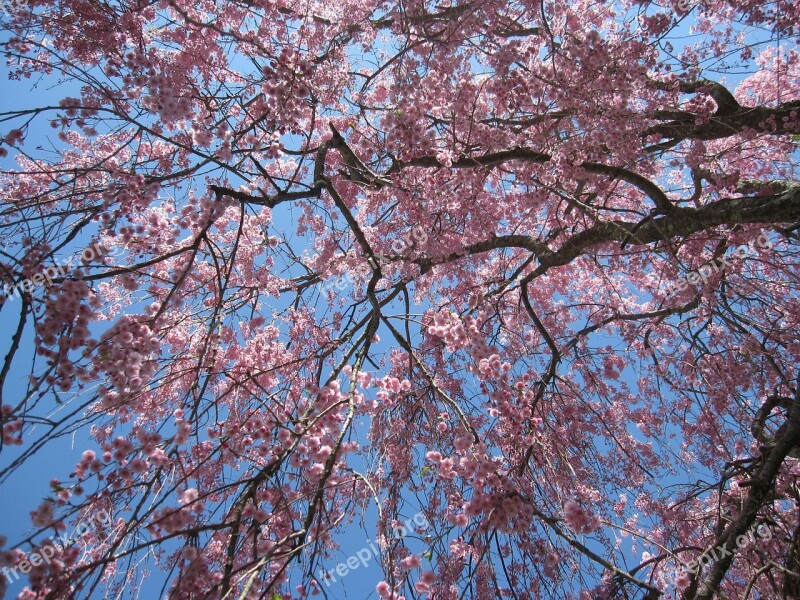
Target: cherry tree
(526, 270)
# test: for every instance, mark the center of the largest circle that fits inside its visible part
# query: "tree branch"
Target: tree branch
(760, 487)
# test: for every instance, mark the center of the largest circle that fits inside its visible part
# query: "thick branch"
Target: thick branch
(760, 487)
(681, 222)
(731, 122)
(357, 170)
(726, 103)
(527, 155)
(271, 201)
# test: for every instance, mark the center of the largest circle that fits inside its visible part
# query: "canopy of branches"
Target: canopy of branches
(518, 279)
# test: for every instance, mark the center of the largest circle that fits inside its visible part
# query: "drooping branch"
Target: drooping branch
(653, 593)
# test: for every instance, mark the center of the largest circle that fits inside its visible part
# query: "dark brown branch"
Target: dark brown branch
(25, 305)
(271, 201)
(528, 155)
(681, 222)
(722, 125)
(760, 422)
(357, 170)
(726, 103)
(760, 487)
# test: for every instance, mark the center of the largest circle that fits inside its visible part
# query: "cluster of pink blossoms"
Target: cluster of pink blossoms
(184, 428)
(131, 468)
(579, 520)
(285, 87)
(57, 562)
(11, 429)
(168, 520)
(458, 334)
(448, 327)
(407, 135)
(423, 586)
(43, 515)
(170, 103)
(196, 575)
(132, 192)
(13, 137)
(167, 101)
(124, 355)
(68, 312)
(88, 462)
